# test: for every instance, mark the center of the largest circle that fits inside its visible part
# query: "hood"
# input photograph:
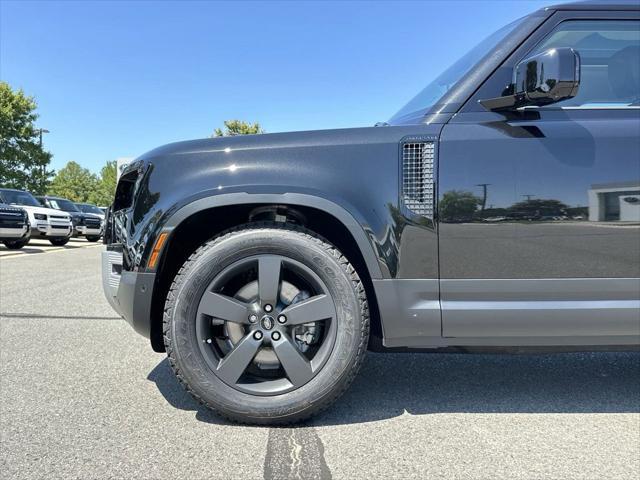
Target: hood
(263, 141)
(10, 208)
(9, 211)
(44, 210)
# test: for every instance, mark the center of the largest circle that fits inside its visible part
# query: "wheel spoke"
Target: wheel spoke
(223, 307)
(319, 307)
(296, 366)
(235, 362)
(269, 279)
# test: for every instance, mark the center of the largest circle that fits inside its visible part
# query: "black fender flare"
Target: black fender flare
(355, 228)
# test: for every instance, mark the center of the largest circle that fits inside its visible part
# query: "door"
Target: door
(539, 234)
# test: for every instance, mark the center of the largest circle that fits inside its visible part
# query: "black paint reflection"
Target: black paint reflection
(542, 238)
(564, 203)
(459, 206)
(612, 202)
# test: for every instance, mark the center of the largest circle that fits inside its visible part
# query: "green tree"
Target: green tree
(237, 127)
(39, 177)
(458, 205)
(75, 183)
(106, 185)
(539, 207)
(23, 162)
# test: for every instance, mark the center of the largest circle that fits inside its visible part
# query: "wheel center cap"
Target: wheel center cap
(267, 322)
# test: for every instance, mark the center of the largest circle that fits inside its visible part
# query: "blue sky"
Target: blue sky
(116, 78)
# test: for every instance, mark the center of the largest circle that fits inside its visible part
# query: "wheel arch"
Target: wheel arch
(322, 216)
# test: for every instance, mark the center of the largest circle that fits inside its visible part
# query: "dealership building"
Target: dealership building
(615, 202)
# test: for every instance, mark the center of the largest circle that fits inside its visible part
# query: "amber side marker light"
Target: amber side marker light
(157, 248)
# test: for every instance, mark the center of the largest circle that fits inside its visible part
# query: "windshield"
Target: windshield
(447, 79)
(62, 204)
(86, 208)
(14, 197)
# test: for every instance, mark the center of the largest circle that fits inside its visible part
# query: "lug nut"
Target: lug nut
(275, 336)
(282, 319)
(253, 318)
(258, 335)
(268, 308)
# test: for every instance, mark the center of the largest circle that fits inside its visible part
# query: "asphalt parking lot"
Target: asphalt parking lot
(37, 245)
(83, 396)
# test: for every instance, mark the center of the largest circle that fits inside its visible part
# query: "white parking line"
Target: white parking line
(37, 246)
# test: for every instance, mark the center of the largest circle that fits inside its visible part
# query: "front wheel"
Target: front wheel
(59, 242)
(93, 238)
(266, 324)
(16, 244)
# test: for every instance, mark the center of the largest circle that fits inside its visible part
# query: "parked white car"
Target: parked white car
(48, 223)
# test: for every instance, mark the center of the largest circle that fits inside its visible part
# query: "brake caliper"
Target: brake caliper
(306, 334)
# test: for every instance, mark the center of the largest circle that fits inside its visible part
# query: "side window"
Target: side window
(610, 60)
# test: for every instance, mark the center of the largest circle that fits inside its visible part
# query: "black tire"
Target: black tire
(59, 242)
(16, 244)
(292, 244)
(92, 238)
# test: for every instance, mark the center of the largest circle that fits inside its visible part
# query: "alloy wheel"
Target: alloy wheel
(266, 325)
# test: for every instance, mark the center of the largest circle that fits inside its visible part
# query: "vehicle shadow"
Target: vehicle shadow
(391, 384)
(32, 250)
(177, 396)
(22, 250)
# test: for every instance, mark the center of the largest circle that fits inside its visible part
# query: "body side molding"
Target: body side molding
(509, 312)
(580, 307)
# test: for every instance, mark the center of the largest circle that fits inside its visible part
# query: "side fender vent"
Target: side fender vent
(418, 184)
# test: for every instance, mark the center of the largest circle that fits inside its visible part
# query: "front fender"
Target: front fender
(351, 174)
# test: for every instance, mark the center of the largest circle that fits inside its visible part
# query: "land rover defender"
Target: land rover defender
(15, 230)
(85, 225)
(45, 223)
(498, 210)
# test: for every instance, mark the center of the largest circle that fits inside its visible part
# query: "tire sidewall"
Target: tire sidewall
(214, 258)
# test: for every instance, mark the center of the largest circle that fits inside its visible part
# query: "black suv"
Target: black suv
(498, 210)
(15, 230)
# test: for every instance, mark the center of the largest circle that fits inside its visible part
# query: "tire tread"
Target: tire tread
(346, 267)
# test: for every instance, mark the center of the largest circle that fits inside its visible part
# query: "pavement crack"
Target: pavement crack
(295, 453)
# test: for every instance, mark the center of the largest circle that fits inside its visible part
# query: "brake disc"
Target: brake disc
(266, 357)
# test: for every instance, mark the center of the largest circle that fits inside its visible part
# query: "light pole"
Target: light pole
(40, 132)
(484, 193)
(42, 168)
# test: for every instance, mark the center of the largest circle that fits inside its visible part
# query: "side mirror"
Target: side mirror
(548, 77)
